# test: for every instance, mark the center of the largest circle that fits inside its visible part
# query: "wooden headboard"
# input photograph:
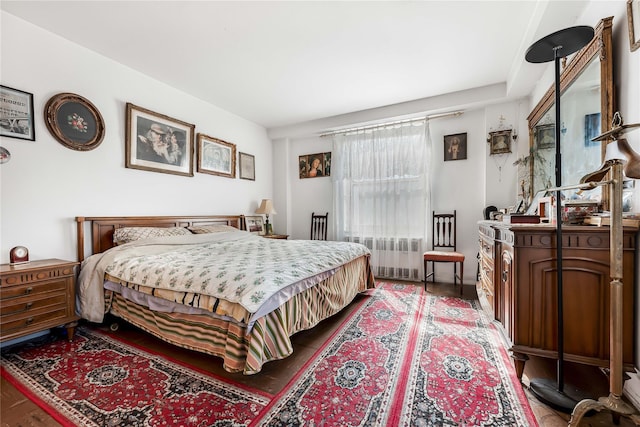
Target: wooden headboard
(102, 228)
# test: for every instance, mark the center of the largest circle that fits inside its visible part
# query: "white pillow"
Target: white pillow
(130, 234)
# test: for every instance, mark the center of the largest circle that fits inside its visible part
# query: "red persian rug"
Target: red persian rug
(100, 381)
(405, 358)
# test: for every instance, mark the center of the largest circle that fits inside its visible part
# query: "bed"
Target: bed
(206, 284)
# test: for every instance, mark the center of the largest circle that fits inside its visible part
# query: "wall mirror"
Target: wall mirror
(586, 86)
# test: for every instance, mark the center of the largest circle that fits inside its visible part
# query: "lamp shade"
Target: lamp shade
(266, 207)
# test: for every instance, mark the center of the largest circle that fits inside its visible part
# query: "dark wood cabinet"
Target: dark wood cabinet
(36, 296)
(524, 290)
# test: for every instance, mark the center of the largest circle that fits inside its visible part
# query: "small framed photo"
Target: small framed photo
(255, 224)
(74, 121)
(247, 166)
(633, 19)
(16, 114)
(500, 142)
(216, 157)
(455, 147)
(591, 129)
(314, 165)
(158, 143)
(545, 136)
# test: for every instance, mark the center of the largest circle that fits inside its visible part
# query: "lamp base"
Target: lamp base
(611, 403)
(546, 391)
(268, 229)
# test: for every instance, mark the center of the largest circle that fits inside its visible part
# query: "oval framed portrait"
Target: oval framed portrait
(74, 121)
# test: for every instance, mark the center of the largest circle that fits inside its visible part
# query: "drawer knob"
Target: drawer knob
(28, 290)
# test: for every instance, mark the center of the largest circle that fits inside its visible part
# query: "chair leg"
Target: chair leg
(461, 277)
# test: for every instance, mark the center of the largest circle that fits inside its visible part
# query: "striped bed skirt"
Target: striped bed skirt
(269, 339)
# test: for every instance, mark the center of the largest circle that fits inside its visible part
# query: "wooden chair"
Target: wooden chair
(443, 248)
(319, 226)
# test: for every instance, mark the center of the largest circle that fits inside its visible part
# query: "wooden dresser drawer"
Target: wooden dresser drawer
(37, 296)
(8, 293)
(34, 321)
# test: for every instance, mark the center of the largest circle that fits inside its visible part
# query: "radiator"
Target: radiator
(394, 258)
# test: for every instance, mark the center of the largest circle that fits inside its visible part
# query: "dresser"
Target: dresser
(36, 296)
(517, 288)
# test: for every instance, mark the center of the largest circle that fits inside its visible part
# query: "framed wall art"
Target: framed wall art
(315, 165)
(247, 166)
(500, 142)
(158, 143)
(545, 136)
(74, 121)
(633, 19)
(216, 157)
(255, 224)
(455, 147)
(16, 114)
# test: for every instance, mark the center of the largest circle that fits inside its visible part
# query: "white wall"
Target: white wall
(46, 185)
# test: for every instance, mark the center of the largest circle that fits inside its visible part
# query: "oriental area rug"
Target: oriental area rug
(401, 358)
(406, 358)
(96, 380)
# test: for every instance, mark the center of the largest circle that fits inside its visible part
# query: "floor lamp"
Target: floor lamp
(618, 155)
(551, 48)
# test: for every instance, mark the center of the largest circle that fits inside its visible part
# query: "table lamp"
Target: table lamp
(266, 208)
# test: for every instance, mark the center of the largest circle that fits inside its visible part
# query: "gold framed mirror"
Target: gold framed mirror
(588, 105)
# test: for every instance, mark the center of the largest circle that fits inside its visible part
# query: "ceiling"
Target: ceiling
(280, 63)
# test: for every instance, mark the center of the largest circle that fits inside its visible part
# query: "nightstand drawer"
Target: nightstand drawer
(12, 292)
(17, 306)
(25, 322)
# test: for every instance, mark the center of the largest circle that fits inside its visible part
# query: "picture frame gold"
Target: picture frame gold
(500, 142)
(216, 157)
(247, 166)
(74, 121)
(158, 143)
(633, 19)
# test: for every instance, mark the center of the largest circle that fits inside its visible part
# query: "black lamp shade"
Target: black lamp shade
(565, 42)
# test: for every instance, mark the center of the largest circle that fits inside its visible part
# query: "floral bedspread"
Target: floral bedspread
(238, 267)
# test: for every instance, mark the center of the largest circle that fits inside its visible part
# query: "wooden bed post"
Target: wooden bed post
(80, 237)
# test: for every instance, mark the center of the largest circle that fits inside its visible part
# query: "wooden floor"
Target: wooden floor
(16, 410)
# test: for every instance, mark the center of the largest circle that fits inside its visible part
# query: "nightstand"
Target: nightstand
(36, 296)
(276, 236)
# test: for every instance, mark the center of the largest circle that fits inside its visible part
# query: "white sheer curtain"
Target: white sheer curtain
(381, 194)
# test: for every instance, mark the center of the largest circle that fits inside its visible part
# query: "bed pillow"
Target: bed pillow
(130, 234)
(213, 228)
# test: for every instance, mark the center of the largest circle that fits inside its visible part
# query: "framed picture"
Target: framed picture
(633, 19)
(545, 136)
(158, 143)
(247, 166)
(216, 157)
(255, 224)
(455, 147)
(74, 121)
(591, 129)
(314, 165)
(16, 114)
(500, 142)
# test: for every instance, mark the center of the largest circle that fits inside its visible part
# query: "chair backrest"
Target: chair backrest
(319, 226)
(443, 232)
